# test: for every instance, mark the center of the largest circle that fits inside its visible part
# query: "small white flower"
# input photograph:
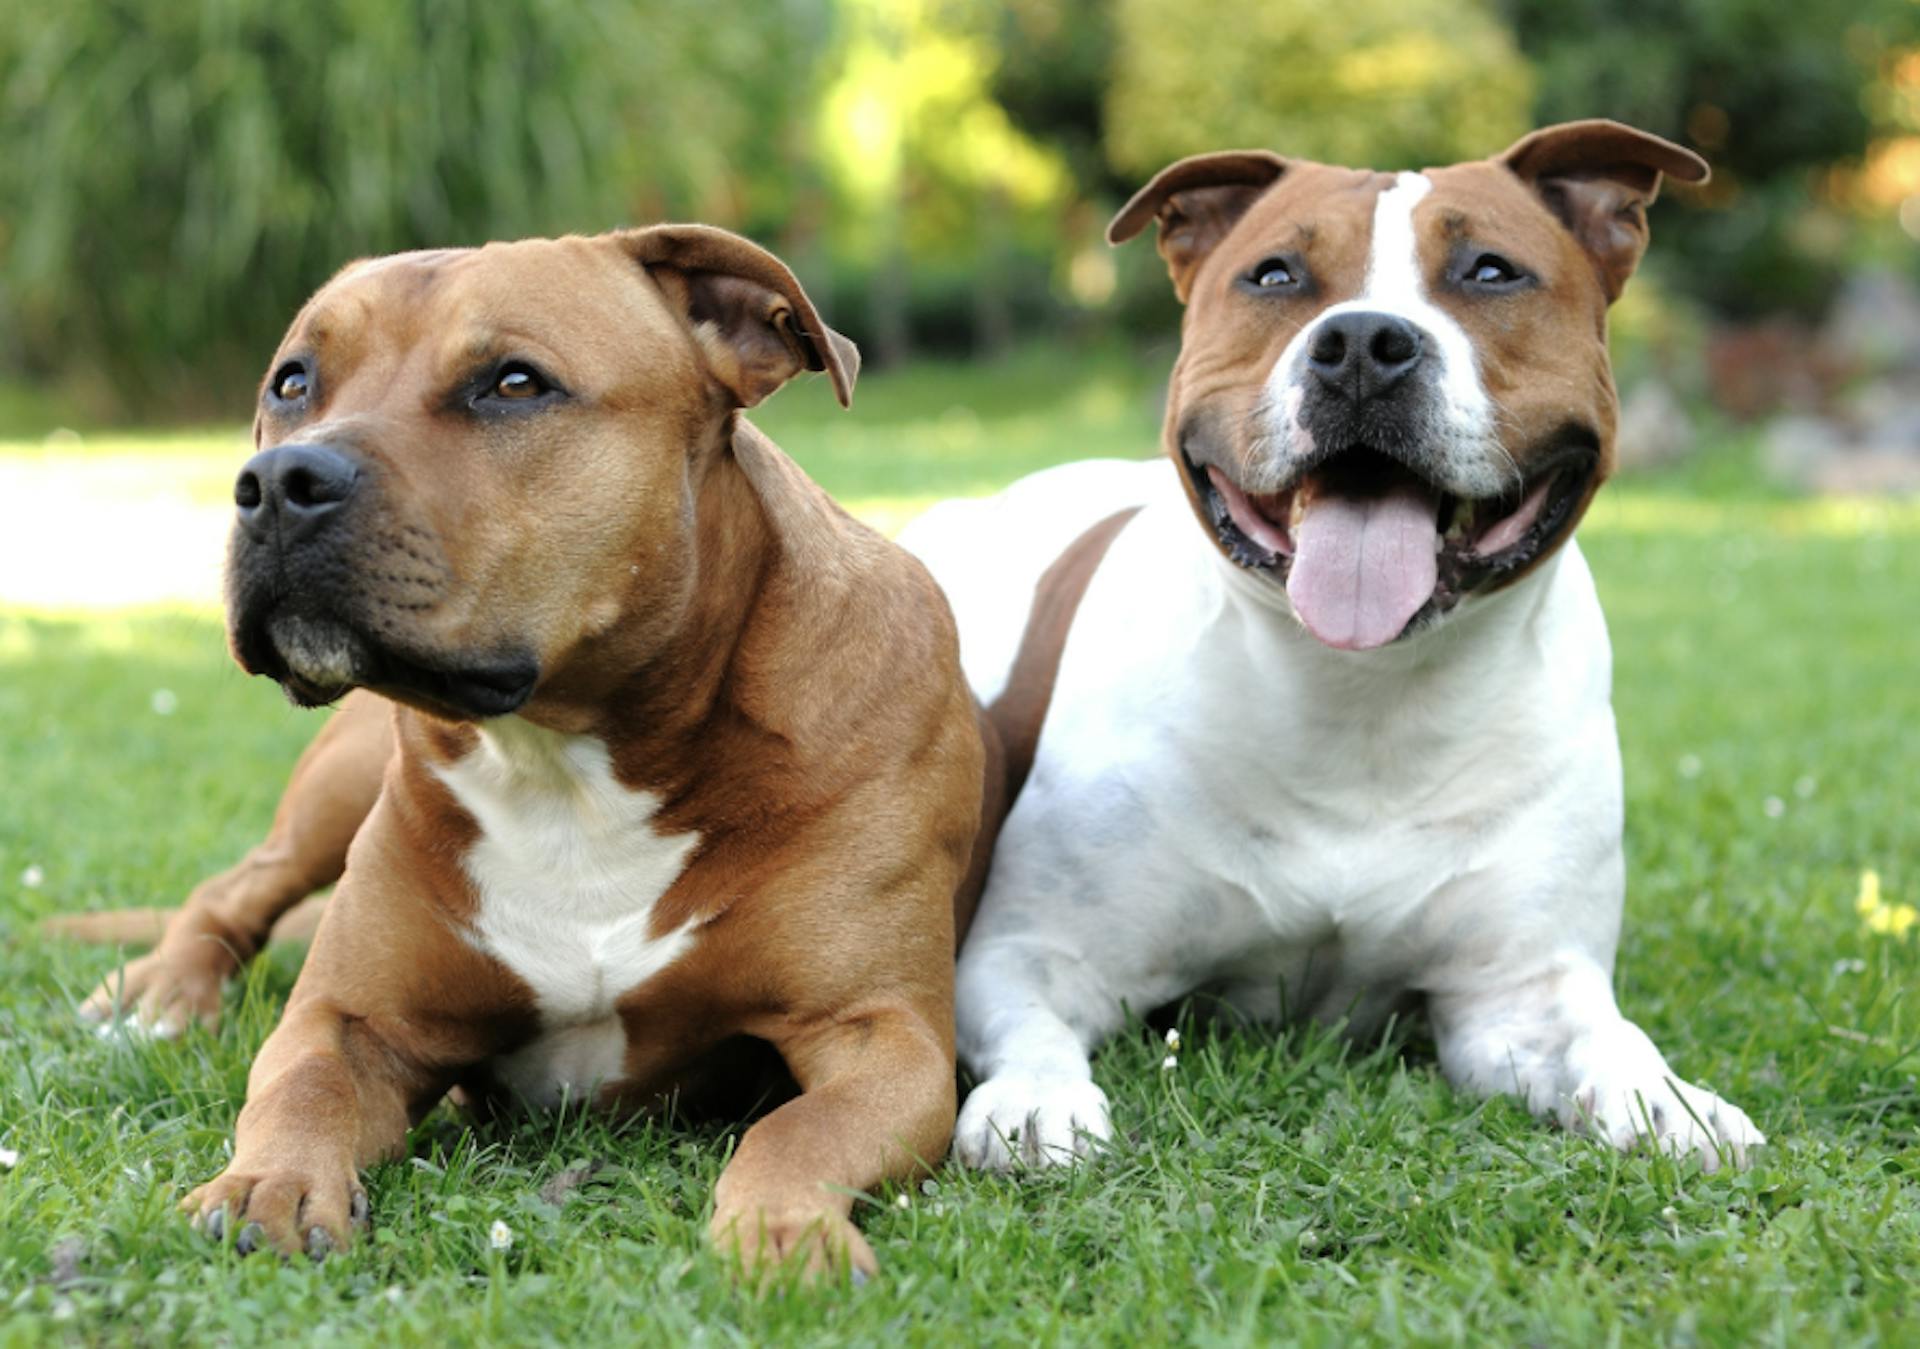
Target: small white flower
(1169, 1063)
(164, 702)
(500, 1236)
(1850, 965)
(8, 1159)
(1774, 807)
(394, 1293)
(1689, 765)
(900, 1200)
(33, 877)
(1173, 1039)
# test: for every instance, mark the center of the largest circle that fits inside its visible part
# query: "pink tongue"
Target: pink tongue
(1363, 568)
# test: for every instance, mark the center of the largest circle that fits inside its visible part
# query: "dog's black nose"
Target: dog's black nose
(293, 489)
(1363, 354)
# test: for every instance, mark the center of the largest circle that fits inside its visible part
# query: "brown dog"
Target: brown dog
(681, 759)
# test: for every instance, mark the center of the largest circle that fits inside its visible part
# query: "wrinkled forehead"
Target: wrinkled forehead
(1314, 208)
(543, 292)
(1318, 198)
(1488, 203)
(1338, 217)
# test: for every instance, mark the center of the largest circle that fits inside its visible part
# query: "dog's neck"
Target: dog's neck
(721, 687)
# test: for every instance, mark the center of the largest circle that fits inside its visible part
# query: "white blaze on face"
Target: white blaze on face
(1467, 456)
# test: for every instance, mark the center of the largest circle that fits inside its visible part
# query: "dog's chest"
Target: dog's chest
(567, 870)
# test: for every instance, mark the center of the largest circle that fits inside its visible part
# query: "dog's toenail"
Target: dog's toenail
(319, 1244)
(250, 1239)
(214, 1224)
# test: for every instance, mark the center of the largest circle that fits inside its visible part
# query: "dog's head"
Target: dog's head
(474, 463)
(1393, 391)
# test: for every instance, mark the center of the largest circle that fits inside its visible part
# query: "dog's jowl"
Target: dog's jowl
(678, 759)
(1314, 713)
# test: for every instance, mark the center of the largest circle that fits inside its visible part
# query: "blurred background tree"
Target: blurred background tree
(1775, 95)
(180, 173)
(1400, 83)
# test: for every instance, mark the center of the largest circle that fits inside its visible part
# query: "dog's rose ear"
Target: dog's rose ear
(1197, 201)
(1599, 177)
(749, 314)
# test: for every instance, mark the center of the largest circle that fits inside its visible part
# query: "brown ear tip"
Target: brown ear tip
(845, 366)
(1127, 224)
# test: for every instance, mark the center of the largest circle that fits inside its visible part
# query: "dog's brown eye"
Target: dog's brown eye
(290, 385)
(518, 381)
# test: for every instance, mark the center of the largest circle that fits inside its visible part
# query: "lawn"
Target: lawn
(1270, 1188)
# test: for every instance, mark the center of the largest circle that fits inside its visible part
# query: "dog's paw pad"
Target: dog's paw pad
(287, 1211)
(808, 1244)
(1013, 1121)
(1680, 1119)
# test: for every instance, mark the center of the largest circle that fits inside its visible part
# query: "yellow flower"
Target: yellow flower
(1880, 917)
(1869, 899)
(1894, 920)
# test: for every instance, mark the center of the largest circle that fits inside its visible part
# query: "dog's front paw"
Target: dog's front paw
(293, 1210)
(1680, 1119)
(808, 1241)
(1011, 1120)
(160, 995)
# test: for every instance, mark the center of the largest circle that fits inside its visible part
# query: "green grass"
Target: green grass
(1272, 1188)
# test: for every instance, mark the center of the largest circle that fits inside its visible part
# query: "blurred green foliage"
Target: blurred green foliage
(181, 173)
(1401, 83)
(1773, 94)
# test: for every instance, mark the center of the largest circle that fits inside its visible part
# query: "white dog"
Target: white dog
(1314, 713)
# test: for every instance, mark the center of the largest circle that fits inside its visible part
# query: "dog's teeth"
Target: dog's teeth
(1462, 523)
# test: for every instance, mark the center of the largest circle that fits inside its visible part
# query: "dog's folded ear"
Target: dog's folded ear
(749, 314)
(1197, 202)
(1599, 177)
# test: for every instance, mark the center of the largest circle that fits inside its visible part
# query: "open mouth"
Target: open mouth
(1369, 550)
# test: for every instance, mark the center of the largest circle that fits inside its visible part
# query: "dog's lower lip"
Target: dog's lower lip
(1463, 566)
(478, 693)
(1262, 518)
(483, 690)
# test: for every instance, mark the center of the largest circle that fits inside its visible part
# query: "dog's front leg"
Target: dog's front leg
(1036, 1102)
(326, 1097)
(390, 1008)
(876, 1104)
(1558, 1041)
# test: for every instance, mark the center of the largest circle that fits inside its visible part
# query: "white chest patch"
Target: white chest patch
(567, 870)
